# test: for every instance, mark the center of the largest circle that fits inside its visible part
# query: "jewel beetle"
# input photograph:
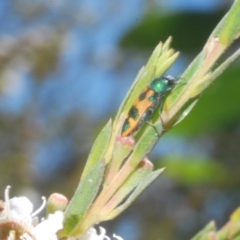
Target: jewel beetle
(146, 104)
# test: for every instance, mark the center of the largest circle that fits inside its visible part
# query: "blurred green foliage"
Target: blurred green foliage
(189, 30)
(192, 171)
(217, 108)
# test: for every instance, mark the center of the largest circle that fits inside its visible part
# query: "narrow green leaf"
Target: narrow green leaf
(228, 29)
(122, 148)
(144, 183)
(208, 79)
(218, 71)
(202, 235)
(235, 216)
(185, 111)
(83, 198)
(98, 149)
(163, 64)
(155, 55)
(184, 81)
(237, 237)
(167, 43)
(133, 180)
(145, 143)
(232, 229)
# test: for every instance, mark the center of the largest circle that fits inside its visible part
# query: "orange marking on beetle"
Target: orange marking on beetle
(141, 106)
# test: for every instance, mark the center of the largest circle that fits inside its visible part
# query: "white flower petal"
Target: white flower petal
(21, 205)
(92, 234)
(46, 230)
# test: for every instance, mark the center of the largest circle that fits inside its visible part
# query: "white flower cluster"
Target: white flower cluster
(19, 222)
